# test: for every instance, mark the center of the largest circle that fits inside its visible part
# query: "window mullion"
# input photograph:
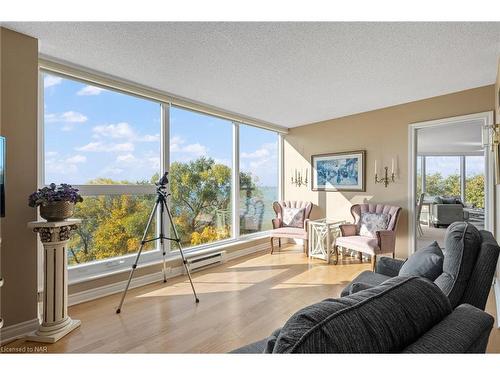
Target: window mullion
(235, 191)
(165, 167)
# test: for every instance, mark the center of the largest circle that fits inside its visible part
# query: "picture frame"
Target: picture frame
(339, 171)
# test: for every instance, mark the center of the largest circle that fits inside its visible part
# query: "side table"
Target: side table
(56, 322)
(322, 236)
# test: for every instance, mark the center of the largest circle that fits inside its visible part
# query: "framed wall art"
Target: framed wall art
(340, 171)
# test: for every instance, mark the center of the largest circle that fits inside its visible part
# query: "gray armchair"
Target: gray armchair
(470, 258)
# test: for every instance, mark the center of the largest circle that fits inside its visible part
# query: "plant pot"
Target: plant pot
(57, 211)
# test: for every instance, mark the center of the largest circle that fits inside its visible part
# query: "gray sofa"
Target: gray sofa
(401, 315)
(470, 258)
(445, 211)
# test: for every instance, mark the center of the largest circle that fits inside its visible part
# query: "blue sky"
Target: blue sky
(91, 132)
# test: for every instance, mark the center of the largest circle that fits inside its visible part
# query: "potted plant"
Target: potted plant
(56, 202)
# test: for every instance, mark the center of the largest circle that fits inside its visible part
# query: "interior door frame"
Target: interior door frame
(487, 122)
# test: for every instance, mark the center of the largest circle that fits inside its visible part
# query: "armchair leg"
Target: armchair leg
(360, 256)
(374, 261)
(272, 246)
(279, 243)
(306, 247)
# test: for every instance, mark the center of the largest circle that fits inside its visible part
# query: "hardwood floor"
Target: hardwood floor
(241, 301)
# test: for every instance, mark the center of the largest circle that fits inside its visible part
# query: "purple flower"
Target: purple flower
(54, 193)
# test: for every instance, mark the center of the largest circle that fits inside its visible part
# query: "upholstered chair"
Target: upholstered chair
(381, 242)
(291, 221)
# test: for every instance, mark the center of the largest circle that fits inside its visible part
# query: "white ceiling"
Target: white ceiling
(460, 138)
(288, 74)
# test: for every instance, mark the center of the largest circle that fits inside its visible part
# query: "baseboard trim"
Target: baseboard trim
(106, 290)
(497, 299)
(17, 331)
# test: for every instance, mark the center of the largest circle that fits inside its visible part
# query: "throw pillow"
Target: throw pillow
(370, 223)
(426, 262)
(293, 217)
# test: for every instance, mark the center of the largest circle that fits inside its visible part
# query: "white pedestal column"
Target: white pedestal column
(56, 322)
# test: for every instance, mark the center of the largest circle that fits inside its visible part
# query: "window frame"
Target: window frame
(106, 267)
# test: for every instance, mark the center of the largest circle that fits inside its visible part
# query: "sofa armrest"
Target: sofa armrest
(386, 241)
(348, 229)
(358, 287)
(388, 266)
(465, 330)
(277, 223)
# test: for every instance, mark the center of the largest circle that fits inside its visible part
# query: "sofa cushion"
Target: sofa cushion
(366, 278)
(449, 200)
(382, 319)
(293, 217)
(462, 244)
(370, 223)
(426, 262)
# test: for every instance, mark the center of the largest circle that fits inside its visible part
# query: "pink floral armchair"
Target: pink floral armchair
(383, 242)
(283, 228)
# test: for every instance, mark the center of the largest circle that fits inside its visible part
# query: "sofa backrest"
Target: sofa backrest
(392, 211)
(383, 319)
(462, 245)
(479, 285)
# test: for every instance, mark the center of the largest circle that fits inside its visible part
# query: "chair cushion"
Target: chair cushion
(426, 262)
(371, 222)
(462, 244)
(368, 245)
(289, 232)
(293, 217)
(383, 319)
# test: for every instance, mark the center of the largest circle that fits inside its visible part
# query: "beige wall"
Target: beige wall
(384, 135)
(18, 123)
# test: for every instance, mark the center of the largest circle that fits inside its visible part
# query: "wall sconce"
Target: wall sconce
(298, 180)
(387, 179)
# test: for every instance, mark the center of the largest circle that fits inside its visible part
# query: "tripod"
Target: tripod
(161, 201)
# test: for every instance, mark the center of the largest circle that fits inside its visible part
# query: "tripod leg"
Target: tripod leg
(162, 244)
(176, 236)
(134, 266)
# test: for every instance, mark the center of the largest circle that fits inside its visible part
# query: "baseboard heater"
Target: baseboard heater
(199, 262)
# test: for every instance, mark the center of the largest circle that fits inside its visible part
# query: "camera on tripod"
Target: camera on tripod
(163, 181)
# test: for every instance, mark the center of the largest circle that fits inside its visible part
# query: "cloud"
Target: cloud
(263, 152)
(122, 130)
(63, 166)
(177, 145)
(126, 158)
(49, 81)
(66, 117)
(90, 91)
(106, 147)
(76, 159)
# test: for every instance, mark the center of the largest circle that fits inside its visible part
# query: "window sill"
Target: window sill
(123, 264)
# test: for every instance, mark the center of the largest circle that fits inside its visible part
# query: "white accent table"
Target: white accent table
(56, 322)
(322, 235)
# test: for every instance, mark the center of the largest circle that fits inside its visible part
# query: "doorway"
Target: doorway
(451, 176)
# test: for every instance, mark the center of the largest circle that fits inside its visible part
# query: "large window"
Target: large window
(113, 146)
(97, 138)
(454, 176)
(258, 178)
(442, 175)
(200, 174)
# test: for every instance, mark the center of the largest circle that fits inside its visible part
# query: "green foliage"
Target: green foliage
(436, 185)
